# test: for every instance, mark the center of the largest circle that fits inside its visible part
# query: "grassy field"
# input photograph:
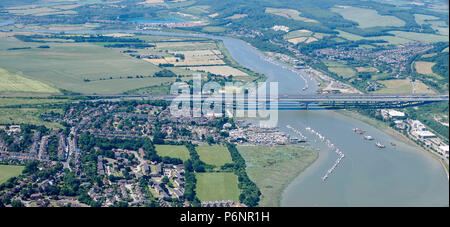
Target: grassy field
(273, 168)
(366, 69)
(219, 70)
(367, 18)
(403, 87)
(13, 101)
(340, 69)
(391, 39)
(421, 37)
(14, 83)
(7, 172)
(27, 116)
(424, 67)
(173, 151)
(217, 186)
(216, 155)
(213, 29)
(306, 36)
(421, 88)
(67, 65)
(345, 72)
(395, 87)
(290, 14)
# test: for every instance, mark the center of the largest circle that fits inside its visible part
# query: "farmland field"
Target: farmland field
(213, 29)
(366, 69)
(421, 37)
(217, 186)
(395, 87)
(421, 88)
(424, 67)
(7, 171)
(68, 65)
(12, 101)
(345, 72)
(290, 14)
(27, 116)
(13, 83)
(173, 151)
(273, 168)
(220, 70)
(367, 18)
(216, 155)
(390, 39)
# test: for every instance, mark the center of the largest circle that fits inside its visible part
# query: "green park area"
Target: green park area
(216, 155)
(173, 151)
(7, 171)
(217, 186)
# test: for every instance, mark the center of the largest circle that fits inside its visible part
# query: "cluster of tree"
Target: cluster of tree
(426, 114)
(129, 45)
(97, 39)
(165, 73)
(52, 147)
(19, 48)
(250, 194)
(166, 65)
(194, 164)
(180, 56)
(26, 138)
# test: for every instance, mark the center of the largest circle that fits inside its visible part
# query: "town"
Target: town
(106, 155)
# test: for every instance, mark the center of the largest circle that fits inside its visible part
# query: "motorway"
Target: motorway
(293, 98)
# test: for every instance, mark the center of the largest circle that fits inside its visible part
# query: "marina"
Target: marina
(302, 137)
(332, 147)
(358, 182)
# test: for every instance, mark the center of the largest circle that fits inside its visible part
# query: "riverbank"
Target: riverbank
(383, 126)
(274, 168)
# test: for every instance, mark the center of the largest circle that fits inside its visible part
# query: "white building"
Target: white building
(424, 134)
(396, 114)
(443, 149)
(417, 126)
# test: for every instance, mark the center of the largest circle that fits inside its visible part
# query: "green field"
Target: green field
(395, 87)
(173, 151)
(273, 168)
(367, 18)
(345, 72)
(7, 172)
(216, 155)
(28, 101)
(213, 29)
(67, 65)
(340, 69)
(14, 83)
(217, 186)
(27, 116)
(390, 39)
(290, 14)
(421, 37)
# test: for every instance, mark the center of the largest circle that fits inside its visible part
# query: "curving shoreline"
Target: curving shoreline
(386, 129)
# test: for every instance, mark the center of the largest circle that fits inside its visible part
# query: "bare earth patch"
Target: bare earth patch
(237, 16)
(424, 67)
(220, 70)
(151, 2)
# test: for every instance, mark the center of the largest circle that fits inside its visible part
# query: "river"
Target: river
(368, 176)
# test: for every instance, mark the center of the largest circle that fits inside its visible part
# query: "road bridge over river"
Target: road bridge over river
(318, 101)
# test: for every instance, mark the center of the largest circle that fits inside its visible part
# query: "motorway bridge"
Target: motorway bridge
(318, 101)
